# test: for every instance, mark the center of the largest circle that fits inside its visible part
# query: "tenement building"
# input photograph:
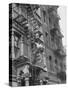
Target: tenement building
(36, 55)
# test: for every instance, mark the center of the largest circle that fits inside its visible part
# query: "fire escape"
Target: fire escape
(28, 23)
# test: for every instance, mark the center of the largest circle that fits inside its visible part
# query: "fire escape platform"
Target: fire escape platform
(21, 61)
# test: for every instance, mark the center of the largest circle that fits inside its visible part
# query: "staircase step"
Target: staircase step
(24, 23)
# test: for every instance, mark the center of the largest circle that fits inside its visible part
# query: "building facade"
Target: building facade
(36, 55)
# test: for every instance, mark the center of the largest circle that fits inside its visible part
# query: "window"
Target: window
(46, 34)
(51, 63)
(44, 14)
(25, 50)
(52, 33)
(57, 41)
(55, 61)
(21, 45)
(16, 41)
(17, 45)
(44, 58)
(56, 64)
(25, 46)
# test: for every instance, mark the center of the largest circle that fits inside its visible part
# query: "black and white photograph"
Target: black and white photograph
(37, 54)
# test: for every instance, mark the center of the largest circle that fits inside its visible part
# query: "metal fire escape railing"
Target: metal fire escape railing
(31, 18)
(35, 27)
(26, 23)
(33, 22)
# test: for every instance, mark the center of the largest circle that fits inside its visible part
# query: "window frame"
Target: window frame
(44, 15)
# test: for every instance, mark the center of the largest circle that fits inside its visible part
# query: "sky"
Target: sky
(62, 22)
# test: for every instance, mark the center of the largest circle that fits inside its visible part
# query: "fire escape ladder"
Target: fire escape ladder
(31, 18)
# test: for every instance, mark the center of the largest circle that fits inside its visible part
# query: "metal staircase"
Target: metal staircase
(31, 18)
